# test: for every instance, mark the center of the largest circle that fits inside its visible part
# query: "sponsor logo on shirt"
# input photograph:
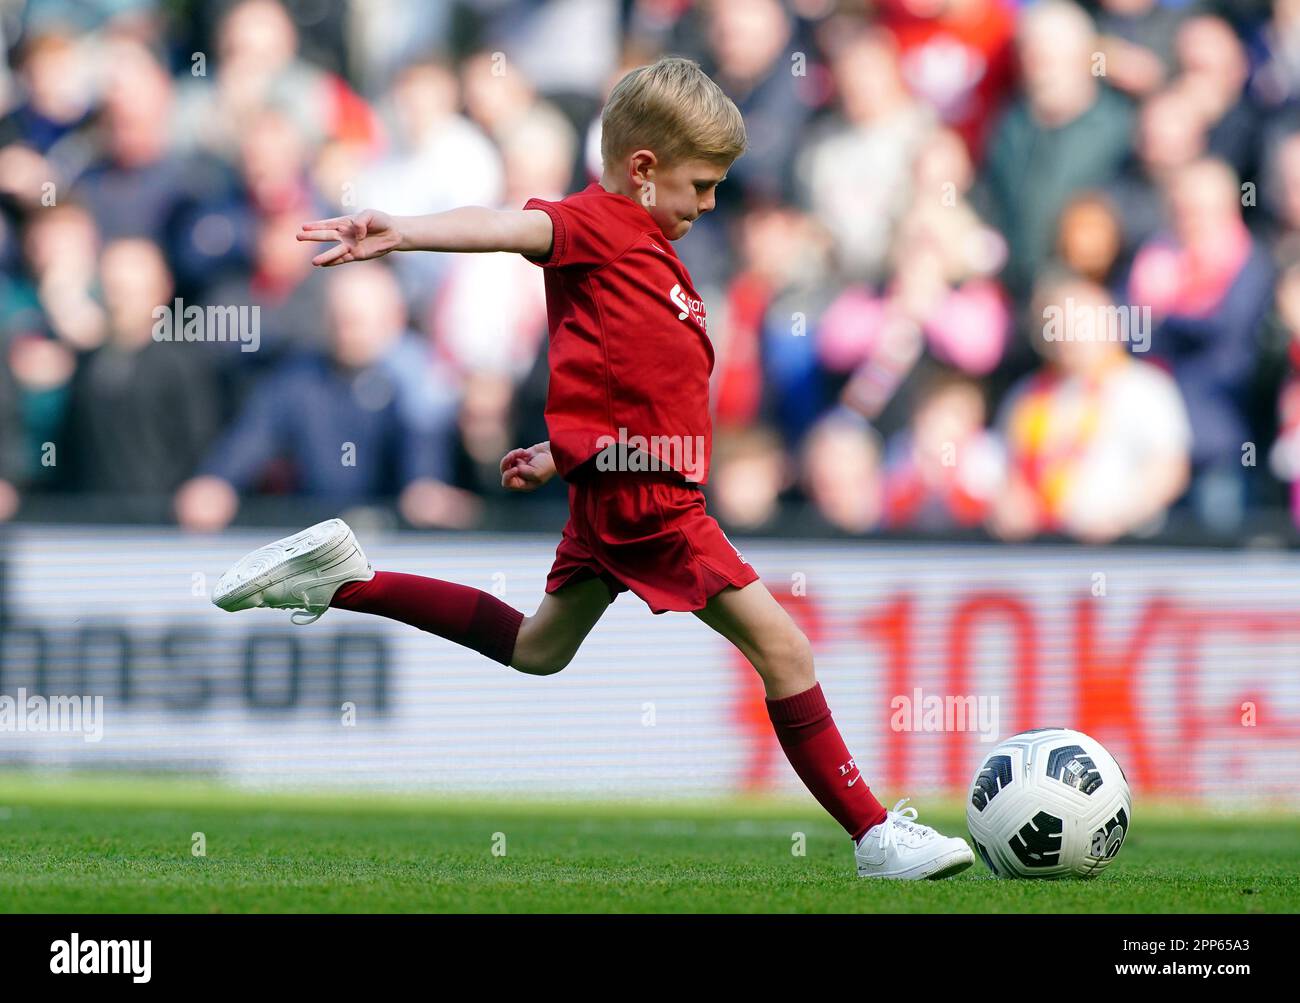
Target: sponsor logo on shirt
(687, 306)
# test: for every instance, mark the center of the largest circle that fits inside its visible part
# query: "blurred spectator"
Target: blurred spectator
(750, 43)
(958, 56)
(940, 300)
(38, 378)
(1091, 240)
(944, 471)
(287, 291)
(767, 369)
(1137, 39)
(53, 312)
(273, 156)
(1277, 80)
(496, 94)
(483, 422)
(13, 462)
(139, 186)
(750, 53)
(748, 473)
(1215, 67)
(1282, 188)
(1097, 441)
(55, 93)
(855, 172)
(945, 258)
(1171, 133)
(257, 64)
(438, 160)
(1284, 454)
(61, 250)
(7, 86)
(1208, 284)
(224, 235)
(488, 319)
(371, 418)
(387, 35)
(55, 99)
(141, 411)
(533, 33)
(1067, 133)
(489, 315)
(841, 471)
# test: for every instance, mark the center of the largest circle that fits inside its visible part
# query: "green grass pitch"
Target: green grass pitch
(109, 844)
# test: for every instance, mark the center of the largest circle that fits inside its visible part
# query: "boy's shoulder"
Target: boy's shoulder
(597, 202)
(594, 227)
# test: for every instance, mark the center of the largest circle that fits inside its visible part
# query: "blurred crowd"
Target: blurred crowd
(1030, 267)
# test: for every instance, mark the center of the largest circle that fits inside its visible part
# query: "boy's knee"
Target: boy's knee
(795, 650)
(539, 663)
(789, 658)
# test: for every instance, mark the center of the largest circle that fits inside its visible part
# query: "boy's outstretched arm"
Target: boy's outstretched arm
(372, 234)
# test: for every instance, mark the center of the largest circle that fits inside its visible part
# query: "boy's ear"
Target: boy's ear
(642, 162)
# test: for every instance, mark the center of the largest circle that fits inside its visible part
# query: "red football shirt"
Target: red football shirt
(629, 353)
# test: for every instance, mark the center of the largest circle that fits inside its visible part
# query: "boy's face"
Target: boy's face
(681, 192)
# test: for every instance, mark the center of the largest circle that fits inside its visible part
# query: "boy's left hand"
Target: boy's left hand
(527, 469)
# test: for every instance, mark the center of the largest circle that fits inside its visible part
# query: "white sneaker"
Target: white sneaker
(899, 848)
(300, 572)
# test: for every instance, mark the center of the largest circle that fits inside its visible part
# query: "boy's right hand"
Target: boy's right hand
(361, 236)
(527, 469)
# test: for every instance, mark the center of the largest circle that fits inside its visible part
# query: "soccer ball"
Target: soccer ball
(1049, 803)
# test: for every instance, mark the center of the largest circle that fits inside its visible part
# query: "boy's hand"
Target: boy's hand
(527, 469)
(361, 236)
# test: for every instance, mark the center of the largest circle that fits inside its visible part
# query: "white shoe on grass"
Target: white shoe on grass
(300, 572)
(899, 848)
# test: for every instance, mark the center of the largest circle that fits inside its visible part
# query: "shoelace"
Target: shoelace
(901, 826)
(312, 617)
(314, 613)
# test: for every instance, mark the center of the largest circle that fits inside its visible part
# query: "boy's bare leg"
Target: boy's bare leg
(766, 635)
(752, 620)
(550, 638)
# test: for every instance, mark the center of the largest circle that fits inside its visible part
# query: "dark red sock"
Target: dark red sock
(459, 613)
(818, 754)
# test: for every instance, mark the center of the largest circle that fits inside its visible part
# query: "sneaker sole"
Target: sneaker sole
(945, 866)
(948, 870)
(323, 546)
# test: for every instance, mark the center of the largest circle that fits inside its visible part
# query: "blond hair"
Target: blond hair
(673, 109)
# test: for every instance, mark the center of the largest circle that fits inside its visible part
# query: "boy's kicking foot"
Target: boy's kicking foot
(899, 848)
(300, 572)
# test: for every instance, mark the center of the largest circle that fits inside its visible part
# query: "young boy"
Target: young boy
(629, 364)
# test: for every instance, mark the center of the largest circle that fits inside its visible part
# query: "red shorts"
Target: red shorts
(650, 534)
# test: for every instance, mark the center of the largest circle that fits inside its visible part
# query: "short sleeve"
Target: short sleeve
(585, 233)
